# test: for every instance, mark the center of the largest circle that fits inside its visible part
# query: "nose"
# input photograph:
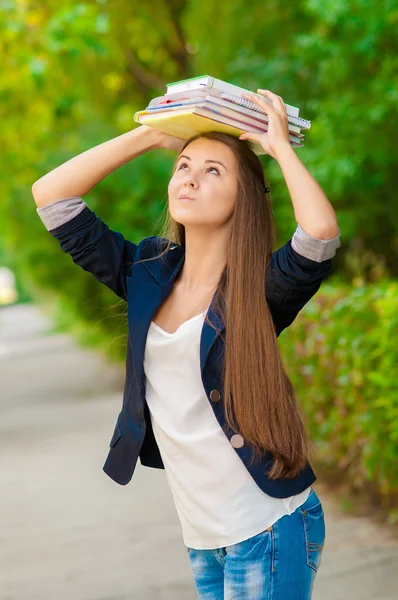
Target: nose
(190, 184)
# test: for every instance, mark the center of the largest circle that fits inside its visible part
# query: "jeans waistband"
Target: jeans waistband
(312, 500)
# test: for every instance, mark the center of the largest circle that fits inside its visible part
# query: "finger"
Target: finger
(266, 106)
(269, 94)
(276, 100)
(248, 135)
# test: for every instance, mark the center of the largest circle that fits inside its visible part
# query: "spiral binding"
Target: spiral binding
(304, 123)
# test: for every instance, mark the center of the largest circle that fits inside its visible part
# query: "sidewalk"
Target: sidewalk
(68, 532)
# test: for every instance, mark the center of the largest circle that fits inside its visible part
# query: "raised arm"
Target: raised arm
(80, 232)
(295, 274)
(297, 269)
(80, 174)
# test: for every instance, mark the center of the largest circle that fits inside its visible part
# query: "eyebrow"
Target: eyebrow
(206, 161)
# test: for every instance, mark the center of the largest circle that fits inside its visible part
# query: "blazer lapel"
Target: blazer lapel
(148, 287)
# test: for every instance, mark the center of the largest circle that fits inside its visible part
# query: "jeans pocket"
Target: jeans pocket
(314, 531)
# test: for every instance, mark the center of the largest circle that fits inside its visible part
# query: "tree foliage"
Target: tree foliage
(74, 74)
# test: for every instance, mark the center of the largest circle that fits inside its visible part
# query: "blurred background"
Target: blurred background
(72, 76)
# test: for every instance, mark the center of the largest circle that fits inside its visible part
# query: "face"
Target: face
(206, 170)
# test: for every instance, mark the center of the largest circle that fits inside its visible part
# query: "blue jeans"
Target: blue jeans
(279, 563)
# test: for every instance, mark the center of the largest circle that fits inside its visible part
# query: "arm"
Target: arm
(89, 242)
(297, 270)
(295, 273)
(80, 233)
(80, 174)
(312, 209)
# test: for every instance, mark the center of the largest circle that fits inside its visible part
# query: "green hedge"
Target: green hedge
(341, 354)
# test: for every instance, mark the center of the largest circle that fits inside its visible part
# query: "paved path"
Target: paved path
(68, 532)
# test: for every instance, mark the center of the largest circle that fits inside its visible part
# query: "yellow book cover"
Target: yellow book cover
(184, 124)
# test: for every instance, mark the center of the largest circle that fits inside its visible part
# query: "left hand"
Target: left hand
(277, 136)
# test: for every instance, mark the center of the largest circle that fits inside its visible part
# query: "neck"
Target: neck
(205, 260)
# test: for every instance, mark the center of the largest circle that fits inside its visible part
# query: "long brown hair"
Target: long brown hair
(259, 398)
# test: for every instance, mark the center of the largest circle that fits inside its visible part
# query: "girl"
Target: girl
(206, 396)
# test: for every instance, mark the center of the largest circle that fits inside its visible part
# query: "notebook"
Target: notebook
(234, 110)
(215, 86)
(185, 122)
(303, 123)
(205, 103)
(225, 115)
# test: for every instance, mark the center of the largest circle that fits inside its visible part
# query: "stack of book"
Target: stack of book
(204, 103)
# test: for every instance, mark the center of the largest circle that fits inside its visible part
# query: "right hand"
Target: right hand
(166, 141)
(170, 142)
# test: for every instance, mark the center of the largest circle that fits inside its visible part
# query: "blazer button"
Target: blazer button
(215, 395)
(237, 441)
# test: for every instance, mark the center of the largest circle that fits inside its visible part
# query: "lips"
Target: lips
(185, 197)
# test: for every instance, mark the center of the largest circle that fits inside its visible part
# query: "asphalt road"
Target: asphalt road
(68, 532)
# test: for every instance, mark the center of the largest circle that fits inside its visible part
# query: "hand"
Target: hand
(277, 136)
(170, 142)
(158, 139)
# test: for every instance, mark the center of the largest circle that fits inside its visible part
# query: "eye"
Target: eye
(210, 168)
(214, 169)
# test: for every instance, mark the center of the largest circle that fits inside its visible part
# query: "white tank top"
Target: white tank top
(217, 500)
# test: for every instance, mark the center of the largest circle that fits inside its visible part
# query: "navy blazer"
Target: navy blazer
(290, 282)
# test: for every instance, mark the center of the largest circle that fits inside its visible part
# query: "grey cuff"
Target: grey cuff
(314, 248)
(61, 211)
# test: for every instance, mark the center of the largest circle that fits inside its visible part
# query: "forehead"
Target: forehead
(203, 149)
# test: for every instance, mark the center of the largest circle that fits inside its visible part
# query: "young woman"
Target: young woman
(206, 396)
